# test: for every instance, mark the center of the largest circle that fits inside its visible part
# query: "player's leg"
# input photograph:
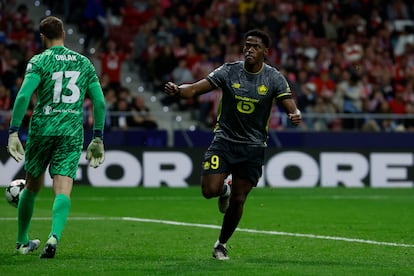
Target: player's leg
(36, 159)
(26, 206)
(62, 186)
(62, 169)
(240, 189)
(245, 176)
(25, 212)
(214, 170)
(212, 185)
(215, 185)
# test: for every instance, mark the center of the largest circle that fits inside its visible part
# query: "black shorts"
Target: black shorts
(238, 159)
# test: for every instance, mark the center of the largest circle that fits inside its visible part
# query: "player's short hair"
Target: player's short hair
(260, 34)
(51, 27)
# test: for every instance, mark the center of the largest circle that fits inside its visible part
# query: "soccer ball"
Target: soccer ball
(13, 191)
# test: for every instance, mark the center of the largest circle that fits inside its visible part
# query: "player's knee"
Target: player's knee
(209, 191)
(206, 192)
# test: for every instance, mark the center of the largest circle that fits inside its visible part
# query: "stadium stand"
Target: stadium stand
(350, 63)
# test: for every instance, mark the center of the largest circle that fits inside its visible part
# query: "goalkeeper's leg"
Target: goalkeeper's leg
(62, 186)
(26, 207)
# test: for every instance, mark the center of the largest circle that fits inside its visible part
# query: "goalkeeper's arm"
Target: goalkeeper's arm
(98, 101)
(95, 152)
(29, 85)
(14, 146)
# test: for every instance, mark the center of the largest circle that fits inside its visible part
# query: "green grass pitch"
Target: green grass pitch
(166, 231)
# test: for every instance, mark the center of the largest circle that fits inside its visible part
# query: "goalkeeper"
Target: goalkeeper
(61, 79)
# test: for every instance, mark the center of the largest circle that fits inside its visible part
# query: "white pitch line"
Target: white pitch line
(312, 236)
(211, 226)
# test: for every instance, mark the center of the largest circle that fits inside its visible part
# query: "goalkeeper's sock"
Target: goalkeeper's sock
(24, 215)
(60, 213)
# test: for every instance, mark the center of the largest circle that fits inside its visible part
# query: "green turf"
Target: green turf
(97, 241)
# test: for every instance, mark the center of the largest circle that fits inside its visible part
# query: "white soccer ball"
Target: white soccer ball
(13, 191)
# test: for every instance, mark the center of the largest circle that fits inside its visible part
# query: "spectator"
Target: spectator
(192, 56)
(324, 106)
(139, 45)
(324, 85)
(162, 67)
(349, 97)
(121, 118)
(111, 63)
(141, 115)
(397, 103)
(181, 74)
(307, 98)
(352, 50)
(94, 24)
(374, 38)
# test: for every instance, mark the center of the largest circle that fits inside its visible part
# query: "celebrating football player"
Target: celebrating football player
(250, 88)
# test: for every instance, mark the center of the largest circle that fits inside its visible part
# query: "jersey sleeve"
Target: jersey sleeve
(99, 109)
(29, 85)
(283, 90)
(98, 100)
(218, 76)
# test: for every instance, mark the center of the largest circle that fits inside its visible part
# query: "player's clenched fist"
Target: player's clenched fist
(171, 89)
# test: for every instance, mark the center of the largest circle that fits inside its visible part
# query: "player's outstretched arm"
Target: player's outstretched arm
(188, 90)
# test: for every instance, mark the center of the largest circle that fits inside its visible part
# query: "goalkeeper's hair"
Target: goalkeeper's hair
(51, 27)
(260, 34)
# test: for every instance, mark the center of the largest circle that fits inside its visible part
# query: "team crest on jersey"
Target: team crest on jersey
(236, 85)
(262, 89)
(47, 110)
(206, 165)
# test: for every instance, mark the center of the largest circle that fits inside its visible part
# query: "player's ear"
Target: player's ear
(43, 39)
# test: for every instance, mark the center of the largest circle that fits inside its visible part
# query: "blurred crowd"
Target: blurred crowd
(349, 57)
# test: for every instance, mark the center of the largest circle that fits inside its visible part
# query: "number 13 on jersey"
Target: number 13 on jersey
(57, 91)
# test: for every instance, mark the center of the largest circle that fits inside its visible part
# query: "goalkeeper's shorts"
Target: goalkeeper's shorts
(62, 153)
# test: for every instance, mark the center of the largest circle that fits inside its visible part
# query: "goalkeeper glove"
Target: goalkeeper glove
(95, 152)
(15, 147)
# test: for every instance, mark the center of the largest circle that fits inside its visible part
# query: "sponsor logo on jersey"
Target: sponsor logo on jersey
(47, 110)
(236, 85)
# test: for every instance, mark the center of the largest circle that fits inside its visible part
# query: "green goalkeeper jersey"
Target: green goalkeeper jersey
(63, 77)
